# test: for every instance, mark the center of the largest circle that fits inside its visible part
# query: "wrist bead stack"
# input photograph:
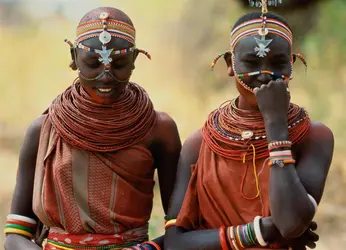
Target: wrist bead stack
(237, 237)
(280, 153)
(21, 225)
(242, 236)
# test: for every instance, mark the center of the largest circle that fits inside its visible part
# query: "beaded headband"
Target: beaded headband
(261, 26)
(254, 27)
(105, 29)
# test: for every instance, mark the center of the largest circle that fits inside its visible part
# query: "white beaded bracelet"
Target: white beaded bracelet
(280, 153)
(21, 218)
(258, 232)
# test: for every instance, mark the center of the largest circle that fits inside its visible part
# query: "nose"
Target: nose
(264, 78)
(106, 76)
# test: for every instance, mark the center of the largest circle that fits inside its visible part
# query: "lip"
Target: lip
(105, 94)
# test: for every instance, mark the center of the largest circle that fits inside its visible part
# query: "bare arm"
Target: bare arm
(166, 154)
(293, 211)
(179, 238)
(22, 197)
(166, 149)
(291, 208)
(176, 237)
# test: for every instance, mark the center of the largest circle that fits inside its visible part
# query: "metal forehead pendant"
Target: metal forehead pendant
(105, 55)
(105, 37)
(262, 44)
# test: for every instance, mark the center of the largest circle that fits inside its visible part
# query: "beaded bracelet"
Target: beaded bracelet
(238, 237)
(242, 236)
(22, 225)
(223, 240)
(233, 240)
(143, 246)
(170, 223)
(152, 243)
(258, 232)
(284, 153)
(279, 144)
(280, 158)
(229, 238)
(280, 162)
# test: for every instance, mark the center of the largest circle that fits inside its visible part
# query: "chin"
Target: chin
(248, 96)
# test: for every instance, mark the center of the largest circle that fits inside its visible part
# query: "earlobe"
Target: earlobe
(135, 55)
(230, 71)
(73, 65)
(228, 59)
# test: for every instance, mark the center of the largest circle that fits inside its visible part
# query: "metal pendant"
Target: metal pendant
(104, 15)
(105, 55)
(105, 37)
(247, 134)
(262, 46)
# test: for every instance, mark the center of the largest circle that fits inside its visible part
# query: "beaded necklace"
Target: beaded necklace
(240, 135)
(230, 131)
(98, 127)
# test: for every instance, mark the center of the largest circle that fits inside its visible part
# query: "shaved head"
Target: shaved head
(113, 12)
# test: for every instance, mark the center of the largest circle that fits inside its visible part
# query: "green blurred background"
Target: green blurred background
(183, 37)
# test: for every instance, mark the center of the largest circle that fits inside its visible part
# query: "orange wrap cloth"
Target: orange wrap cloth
(222, 191)
(214, 199)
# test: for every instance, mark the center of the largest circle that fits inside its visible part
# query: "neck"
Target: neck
(245, 104)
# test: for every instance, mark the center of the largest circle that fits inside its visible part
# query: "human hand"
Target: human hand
(273, 100)
(307, 239)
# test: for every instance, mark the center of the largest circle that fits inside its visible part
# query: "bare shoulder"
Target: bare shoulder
(191, 147)
(194, 140)
(317, 145)
(165, 129)
(34, 130)
(164, 120)
(321, 134)
(32, 137)
(320, 130)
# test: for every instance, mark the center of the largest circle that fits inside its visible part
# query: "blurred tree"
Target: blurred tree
(11, 14)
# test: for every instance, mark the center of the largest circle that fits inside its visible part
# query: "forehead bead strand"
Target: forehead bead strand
(106, 28)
